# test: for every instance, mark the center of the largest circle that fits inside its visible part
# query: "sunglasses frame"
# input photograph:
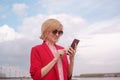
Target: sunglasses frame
(57, 31)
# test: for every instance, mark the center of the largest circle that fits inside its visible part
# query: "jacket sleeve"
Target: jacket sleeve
(35, 64)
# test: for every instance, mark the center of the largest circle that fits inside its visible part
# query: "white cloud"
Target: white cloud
(102, 27)
(94, 50)
(100, 44)
(98, 53)
(32, 25)
(20, 9)
(7, 33)
(99, 47)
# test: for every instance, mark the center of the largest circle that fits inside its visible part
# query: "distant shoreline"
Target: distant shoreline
(88, 75)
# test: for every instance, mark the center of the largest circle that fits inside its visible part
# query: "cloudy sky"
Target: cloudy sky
(96, 23)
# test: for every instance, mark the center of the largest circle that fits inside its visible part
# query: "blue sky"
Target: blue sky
(92, 10)
(95, 22)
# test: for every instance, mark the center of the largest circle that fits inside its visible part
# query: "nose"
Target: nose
(57, 34)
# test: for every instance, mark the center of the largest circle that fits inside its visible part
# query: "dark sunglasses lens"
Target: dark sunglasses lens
(60, 32)
(55, 31)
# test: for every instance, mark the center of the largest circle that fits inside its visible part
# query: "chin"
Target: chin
(56, 40)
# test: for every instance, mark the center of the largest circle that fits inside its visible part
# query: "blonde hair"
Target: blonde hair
(49, 25)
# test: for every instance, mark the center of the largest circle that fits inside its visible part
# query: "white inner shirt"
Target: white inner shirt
(59, 63)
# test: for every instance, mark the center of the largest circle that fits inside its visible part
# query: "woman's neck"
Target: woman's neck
(49, 43)
(51, 46)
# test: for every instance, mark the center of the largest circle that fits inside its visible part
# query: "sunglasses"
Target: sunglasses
(56, 31)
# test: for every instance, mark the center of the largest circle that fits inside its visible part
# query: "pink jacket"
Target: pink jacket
(41, 56)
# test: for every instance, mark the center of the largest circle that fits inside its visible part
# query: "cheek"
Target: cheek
(50, 36)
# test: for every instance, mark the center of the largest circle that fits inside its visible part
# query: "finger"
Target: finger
(75, 46)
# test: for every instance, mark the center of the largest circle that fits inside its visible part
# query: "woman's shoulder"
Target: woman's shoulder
(37, 46)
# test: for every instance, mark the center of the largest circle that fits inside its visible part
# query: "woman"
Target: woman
(49, 60)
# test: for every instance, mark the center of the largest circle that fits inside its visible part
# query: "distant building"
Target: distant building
(2, 75)
(109, 75)
(12, 71)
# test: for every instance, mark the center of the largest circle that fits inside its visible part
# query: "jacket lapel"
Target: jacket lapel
(49, 52)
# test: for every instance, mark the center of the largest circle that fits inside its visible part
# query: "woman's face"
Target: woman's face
(54, 35)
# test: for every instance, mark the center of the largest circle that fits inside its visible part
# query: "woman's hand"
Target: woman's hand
(61, 52)
(72, 51)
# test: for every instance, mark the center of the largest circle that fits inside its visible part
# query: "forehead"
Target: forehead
(56, 26)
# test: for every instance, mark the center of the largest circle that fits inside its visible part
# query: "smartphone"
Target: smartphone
(75, 42)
